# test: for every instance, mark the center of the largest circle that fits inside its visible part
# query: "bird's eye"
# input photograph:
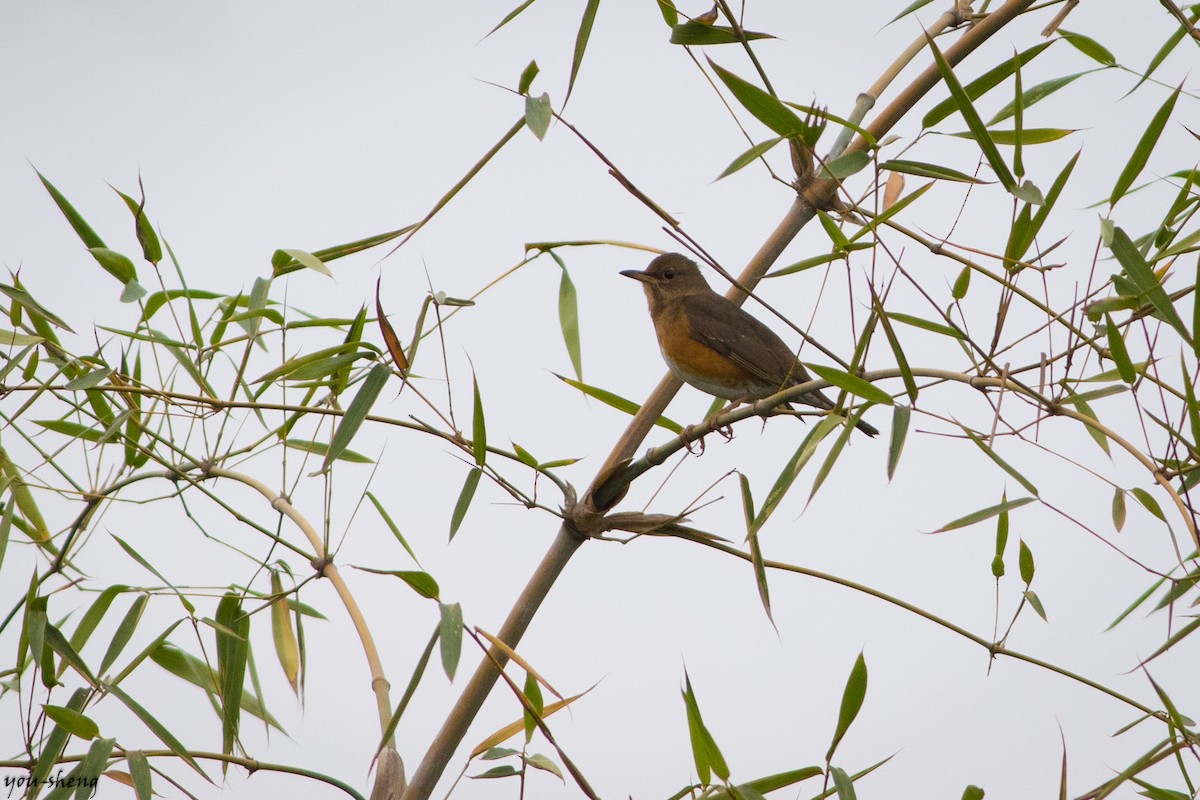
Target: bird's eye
(669, 274)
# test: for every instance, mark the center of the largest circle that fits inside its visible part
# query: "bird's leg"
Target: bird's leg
(686, 438)
(726, 431)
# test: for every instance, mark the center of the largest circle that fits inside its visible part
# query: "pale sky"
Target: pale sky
(275, 125)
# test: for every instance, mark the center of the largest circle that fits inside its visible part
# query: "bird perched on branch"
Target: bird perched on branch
(712, 344)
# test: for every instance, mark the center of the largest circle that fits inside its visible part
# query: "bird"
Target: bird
(712, 344)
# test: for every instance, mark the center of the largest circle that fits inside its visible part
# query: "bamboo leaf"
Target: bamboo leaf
(901, 415)
(618, 402)
(392, 526)
(1117, 351)
(283, 634)
(792, 469)
(1141, 152)
(981, 85)
(697, 34)
(464, 499)
(750, 156)
(538, 115)
(233, 649)
(765, 107)
(852, 700)
(1036, 94)
(74, 722)
(450, 634)
(359, 408)
(705, 753)
(82, 229)
(984, 513)
(1089, 47)
(157, 728)
(581, 42)
(925, 170)
(124, 632)
(1147, 283)
(852, 384)
(1000, 462)
(982, 136)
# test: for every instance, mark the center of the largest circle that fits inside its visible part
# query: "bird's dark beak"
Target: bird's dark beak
(637, 275)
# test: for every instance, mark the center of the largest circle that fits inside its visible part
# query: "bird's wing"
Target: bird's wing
(750, 344)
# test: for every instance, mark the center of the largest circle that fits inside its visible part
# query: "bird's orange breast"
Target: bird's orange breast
(697, 363)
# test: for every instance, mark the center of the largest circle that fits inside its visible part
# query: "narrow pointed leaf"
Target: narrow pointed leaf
(982, 136)
(765, 107)
(984, 513)
(360, 406)
(852, 384)
(981, 85)
(1148, 284)
(450, 634)
(464, 499)
(750, 156)
(901, 415)
(1141, 152)
(158, 729)
(581, 41)
(852, 700)
(618, 402)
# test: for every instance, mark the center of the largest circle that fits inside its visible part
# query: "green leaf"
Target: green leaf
(538, 115)
(982, 136)
(750, 156)
(1021, 137)
(1147, 500)
(115, 264)
(1035, 94)
(53, 744)
(581, 41)
(1089, 47)
(845, 166)
(359, 408)
(924, 170)
(984, 513)
(1175, 38)
(68, 428)
(901, 415)
(322, 449)
(233, 650)
(464, 499)
(924, 324)
(157, 728)
(765, 107)
(842, 784)
(981, 85)
(147, 238)
(527, 75)
(1147, 282)
(450, 634)
(961, 284)
(139, 772)
(539, 761)
(391, 525)
(792, 469)
(852, 384)
(568, 317)
(478, 425)
(1025, 561)
(972, 793)
(705, 753)
(699, 34)
(618, 402)
(74, 722)
(1035, 603)
(1117, 351)
(302, 257)
(82, 229)
(760, 571)
(25, 300)
(1000, 462)
(852, 700)
(124, 632)
(1118, 508)
(420, 582)
(1001, 544)
(1141, 153)
(533, 693)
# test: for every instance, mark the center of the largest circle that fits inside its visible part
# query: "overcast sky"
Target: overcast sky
(268, 125)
